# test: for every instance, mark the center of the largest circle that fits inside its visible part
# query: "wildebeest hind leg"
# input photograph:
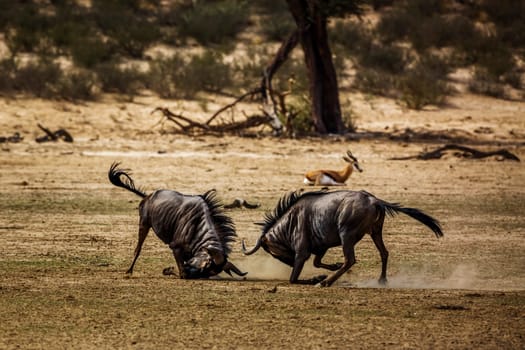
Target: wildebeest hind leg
(318, 263)
(377, 237)
(143, 233)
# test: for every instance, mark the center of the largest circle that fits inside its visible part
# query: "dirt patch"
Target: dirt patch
(68, 235)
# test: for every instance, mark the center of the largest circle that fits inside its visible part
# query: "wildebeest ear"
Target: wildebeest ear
(216, 255)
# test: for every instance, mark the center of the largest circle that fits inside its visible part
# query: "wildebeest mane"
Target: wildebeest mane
(285, 203)
(223, 223)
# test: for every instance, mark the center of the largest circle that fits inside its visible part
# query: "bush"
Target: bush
(176, 77)
(163, 74)
(7, 75)
(391, 59)
(38, 78)
(213, 23)
(351, 36)
(420, 87)
(395, 25)
(299, 119)
(375, 82)
(81, 85)
(90, 51)
(118, 20)
(117, 79)
(486, 83)
(278, 27)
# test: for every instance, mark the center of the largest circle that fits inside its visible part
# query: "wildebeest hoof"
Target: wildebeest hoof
(336, 266)
(323, 283)
(317, 279)
(169, 271)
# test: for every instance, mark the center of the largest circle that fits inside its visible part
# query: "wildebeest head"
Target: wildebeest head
(207, 263)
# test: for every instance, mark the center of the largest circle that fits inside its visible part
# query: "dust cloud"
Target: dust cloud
(261, 267)
(462, 277)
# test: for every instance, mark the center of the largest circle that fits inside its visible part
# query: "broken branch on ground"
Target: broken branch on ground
(462, 152)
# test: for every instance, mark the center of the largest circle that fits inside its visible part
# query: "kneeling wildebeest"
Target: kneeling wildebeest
(313, 222)
(194, 227)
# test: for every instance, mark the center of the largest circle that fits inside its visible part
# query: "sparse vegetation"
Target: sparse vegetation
(212, 22)
(390, 58)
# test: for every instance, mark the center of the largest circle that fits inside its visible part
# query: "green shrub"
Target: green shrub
(497, 61)
(374, 81)
(391, 58)
(278, 27)
(213, 22)
(117, 79)
(80, 85)
(38, 78)
(420, 87)
(351, 36)
(395, 25)
(162, 75)
(7, 75)
(298, 120)
(486, 83)
(27, 28)
(119, 20)
(177, 77)
(207, 72)
(90, 51)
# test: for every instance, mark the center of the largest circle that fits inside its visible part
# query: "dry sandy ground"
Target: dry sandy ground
(67, 235)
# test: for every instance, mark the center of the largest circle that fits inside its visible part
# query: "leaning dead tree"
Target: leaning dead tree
(462, 152)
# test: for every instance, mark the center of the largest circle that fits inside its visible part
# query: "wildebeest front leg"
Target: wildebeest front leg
(298, 265)
(318, 263)
(178, 253)
(143, 233)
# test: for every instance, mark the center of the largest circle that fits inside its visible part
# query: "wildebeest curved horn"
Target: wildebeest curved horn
(253, 250)
(229, 268)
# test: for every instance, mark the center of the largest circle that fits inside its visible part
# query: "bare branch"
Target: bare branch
(466, 152)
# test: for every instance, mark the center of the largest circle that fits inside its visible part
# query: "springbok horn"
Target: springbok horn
(350, 155)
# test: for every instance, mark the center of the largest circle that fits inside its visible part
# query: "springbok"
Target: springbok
(324, 177)
(313, 222)
(194, 227)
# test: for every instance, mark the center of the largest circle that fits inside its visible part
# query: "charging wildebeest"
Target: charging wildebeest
(194, 227)
(313, 222)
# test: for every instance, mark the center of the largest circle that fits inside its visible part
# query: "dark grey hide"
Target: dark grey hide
(194, 227)
(312, 223)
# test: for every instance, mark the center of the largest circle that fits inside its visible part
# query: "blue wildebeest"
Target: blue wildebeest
(313, 222)
(194, 227)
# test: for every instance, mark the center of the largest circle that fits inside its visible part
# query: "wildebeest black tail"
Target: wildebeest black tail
(115, 177)
(427, 220)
